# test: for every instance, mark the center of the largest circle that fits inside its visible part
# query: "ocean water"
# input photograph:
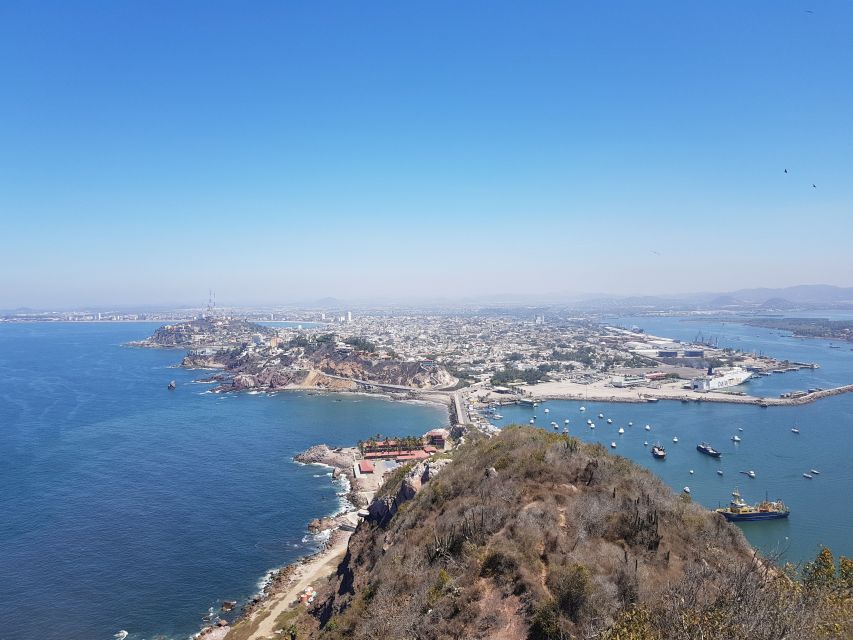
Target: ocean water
(821, 508)
(126, 506)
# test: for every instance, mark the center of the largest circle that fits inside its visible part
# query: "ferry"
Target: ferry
(659, 452)
(739, 511)
(708, 450)
(722, 378)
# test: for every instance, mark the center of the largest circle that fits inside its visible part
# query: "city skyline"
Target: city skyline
(289, 153)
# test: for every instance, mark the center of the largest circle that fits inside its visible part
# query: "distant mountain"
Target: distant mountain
(810, 294)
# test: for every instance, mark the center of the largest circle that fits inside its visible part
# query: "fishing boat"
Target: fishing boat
(708, 450)
(735, 438)
(739, 511)
(659, 452)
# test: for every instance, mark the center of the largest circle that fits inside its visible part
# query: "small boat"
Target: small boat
(121, 635)
(735, 438)
(566, 421)
(592, 425)
(612, 445)
(691, 472)
(740, 428)
(600, 415)
(795, 430)
(583, 408)
(686, 489)
(708, 450)
(565, 431)
(648, 428)
(532, 420)
(651, 399)
(814, 472)
(172, 385)
(739, 510)
(630, 424)
(547, 411)
(498, 416)
(589, 420)
(645, 443)
(553, 424)
(719, 472)
(609, 420)
(675, 438)
(808, 476)
(659, 452)
(621, 431)
(750, 473)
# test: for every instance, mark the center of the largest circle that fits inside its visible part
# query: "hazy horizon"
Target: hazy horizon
(288, 153)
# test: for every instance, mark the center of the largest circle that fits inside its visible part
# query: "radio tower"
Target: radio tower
(211, 302)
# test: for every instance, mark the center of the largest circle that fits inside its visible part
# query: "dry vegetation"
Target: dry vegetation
(535, 535)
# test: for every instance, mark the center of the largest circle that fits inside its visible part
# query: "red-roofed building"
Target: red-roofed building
(437, 437)
(365, 466)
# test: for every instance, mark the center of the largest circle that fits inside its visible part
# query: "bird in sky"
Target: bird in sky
(814, 186)
(786, 171)
(654, 252)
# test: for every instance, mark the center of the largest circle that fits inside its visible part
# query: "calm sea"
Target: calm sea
(126, 506)
(821, 508)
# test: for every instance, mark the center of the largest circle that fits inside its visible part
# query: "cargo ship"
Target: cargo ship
(721, 378)
(739, 511)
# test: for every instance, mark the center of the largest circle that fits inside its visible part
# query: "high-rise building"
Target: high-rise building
(349, 316)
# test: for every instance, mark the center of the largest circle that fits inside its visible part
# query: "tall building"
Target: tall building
(349, 316)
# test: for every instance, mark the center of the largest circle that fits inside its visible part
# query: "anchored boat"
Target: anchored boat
(739, 511)
(708, 450)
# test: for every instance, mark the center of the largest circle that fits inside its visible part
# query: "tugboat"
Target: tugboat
(739, 511)
(708, 450)
(172, 385)
(659, 452)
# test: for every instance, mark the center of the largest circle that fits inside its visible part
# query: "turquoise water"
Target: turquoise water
(126, 506)
(821, 508)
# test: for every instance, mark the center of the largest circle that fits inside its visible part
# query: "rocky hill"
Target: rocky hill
(205, 332)
(535, 535)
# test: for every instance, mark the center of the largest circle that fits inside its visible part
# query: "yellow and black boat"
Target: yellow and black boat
(739, 511)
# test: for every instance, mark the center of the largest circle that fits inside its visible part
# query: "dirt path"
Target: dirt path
(306, 575)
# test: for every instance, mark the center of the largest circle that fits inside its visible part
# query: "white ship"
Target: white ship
(721, 378)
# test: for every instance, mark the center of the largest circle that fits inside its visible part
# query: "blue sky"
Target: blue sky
(279, 151)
